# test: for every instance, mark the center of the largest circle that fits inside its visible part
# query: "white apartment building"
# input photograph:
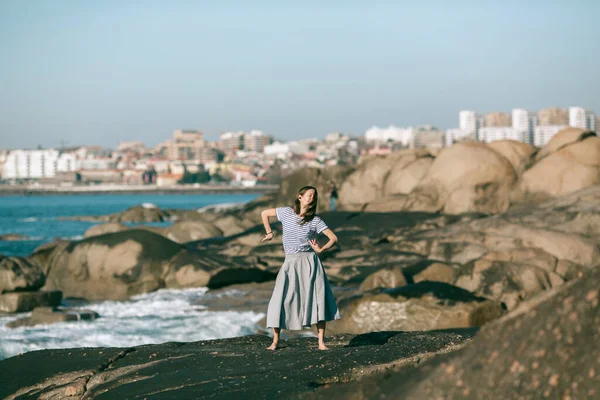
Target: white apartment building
(577, 117)
(468, 121)
(543, 133)
(283, 150)
(36, 164)
(490, 134)
(391, 133)
(524, 122)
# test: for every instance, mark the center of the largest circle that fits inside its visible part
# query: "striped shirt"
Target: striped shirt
(296, 236)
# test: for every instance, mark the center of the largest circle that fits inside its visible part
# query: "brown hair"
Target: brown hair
(312, 208)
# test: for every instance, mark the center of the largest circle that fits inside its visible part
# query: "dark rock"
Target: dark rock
(549, 349)
(51, 315)
(420, 306)
(20, 274)
(26, 301)
(220, 369)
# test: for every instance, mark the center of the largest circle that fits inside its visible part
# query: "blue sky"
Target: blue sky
(96, 72)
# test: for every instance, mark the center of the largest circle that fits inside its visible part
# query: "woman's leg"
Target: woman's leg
(321, 331)
(276, 332)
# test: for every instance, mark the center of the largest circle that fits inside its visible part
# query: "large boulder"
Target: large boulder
(143, 213)
(112, 266)
(122, 264)
(420, 306)
(317, 177)
(467, 177)
(562, 139)
(101, 229)
(517, 153)
(571, 167)
(19, 274)
(377, 177)
(188, 231)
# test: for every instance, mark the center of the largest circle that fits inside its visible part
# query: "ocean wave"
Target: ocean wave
(220, 207)
(29, 219)
(162, 316)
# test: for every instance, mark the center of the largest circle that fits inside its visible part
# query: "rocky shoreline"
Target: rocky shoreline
(220, 369)
(431, 248)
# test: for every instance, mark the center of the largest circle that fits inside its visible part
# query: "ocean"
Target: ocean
(162, 316)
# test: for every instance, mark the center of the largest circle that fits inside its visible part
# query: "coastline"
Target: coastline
(48, 190)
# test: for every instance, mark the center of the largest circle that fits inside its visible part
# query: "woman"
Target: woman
(302, 296)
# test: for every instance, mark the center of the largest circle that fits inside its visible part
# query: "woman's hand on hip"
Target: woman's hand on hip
(313, 243)
(268, 237)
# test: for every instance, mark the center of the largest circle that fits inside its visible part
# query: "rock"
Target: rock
(20, 274)
(188, 231)
(231, 225)
(517, 153)
(549, 350)
(569, 168)
(52, 315)
(467, 177)
(140, 214)
(406, 174)
(13, 237)
(109, 227)
(378, 177)
(229, 368)
(419, 306)
(384, 278)
(436, 272)
(562, 139)
(26, 301)
(122, 264)
(317, 177)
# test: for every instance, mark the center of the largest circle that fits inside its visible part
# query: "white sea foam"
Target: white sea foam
(149, 205)
(221, 207)
(76, 237)
(162, 316)
(28, 219)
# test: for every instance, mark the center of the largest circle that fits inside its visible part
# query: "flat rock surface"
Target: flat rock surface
(217, 369)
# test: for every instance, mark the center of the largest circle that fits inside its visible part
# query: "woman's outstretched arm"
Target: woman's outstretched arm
(265, 219)
(333, 239)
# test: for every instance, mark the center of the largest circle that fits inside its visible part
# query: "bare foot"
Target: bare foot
(323, 347)
(272, 346)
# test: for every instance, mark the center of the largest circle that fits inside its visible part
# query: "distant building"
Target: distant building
(284, 150)
(490, 134)
(391, 134)
(37, 164)
(131, 146)
(255, 141)
(553, 116)
(428, 136)
(468, 122)
(230, 142)
(577, 117)
(524, 122)
(591, 122)
(185, 145)
(498, 119)
(543, 133)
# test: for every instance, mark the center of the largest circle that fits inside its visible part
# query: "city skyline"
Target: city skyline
(91, 73)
